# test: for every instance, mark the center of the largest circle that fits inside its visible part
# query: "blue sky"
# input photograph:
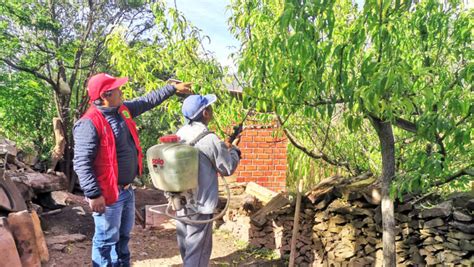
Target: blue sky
(211, 17)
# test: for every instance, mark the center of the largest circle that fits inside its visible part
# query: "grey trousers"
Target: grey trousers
(195, 241)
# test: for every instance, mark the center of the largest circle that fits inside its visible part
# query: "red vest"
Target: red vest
(105, 163)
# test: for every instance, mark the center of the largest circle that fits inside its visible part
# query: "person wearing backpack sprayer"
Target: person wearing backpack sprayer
(216, 156)
(107, 157)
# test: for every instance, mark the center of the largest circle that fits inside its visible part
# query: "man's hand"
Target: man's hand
(97, 204)
(236, 141)
(183, 88)
(230, 144)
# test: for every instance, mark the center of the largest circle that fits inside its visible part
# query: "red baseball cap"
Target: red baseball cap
(103, 82)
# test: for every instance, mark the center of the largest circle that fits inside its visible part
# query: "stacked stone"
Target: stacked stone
(348, 232)
(304, 243)
(446, 233)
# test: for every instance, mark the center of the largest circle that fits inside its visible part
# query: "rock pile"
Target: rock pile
(342, 226)
(21, 238)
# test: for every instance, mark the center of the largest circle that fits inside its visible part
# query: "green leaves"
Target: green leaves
(393, 60)
(287, 16)
(177, 52)
(21, 100)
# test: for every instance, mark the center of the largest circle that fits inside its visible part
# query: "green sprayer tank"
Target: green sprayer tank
(173, 165)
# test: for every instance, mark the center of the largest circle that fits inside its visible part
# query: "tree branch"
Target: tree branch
(80, 51)
(466, 171)
(30, 71)
(406, 125)
(463, 119)
(311, 153)
(442, 148)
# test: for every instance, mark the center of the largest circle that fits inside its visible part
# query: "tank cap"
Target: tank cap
(173, 138)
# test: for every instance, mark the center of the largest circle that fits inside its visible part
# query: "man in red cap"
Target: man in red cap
(107, 157)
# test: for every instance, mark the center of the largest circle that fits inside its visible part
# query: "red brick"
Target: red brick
(246, 139)
(263, 145)
(268, 151)
(251, 145)
(258, 173)
(263, 156)
(249, 179)
(249, 156)
(264, 133)
(250, 168)
(263, 167)
(280, 167)
(280, 177)
(251, 132)
(281, 145)
(261, 179)
(258, 161)
(280, 156)
(259, 138)
(268, 173)
(245, 150)
(245, 162)
(270, 139)
(268, 162)
(245, 174)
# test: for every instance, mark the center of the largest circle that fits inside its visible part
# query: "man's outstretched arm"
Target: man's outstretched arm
(144, 103)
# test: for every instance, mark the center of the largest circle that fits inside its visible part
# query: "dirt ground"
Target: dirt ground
(149, 247)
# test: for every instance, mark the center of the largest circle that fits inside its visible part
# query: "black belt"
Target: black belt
(124, 186)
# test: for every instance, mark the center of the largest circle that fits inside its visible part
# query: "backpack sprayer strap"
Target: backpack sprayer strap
(199, 137)
(196, 140)
(222, 213)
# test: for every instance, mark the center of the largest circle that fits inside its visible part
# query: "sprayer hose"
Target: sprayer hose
(189, 221)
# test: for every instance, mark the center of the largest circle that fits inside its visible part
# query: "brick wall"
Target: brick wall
(263, 157)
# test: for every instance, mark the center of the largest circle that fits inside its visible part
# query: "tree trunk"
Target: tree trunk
(60, 143)
(387, 143)
(63, 106)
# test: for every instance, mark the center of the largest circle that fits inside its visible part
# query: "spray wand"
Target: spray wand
(239, 128)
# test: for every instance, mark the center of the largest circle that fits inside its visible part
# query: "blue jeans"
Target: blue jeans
(112, 231)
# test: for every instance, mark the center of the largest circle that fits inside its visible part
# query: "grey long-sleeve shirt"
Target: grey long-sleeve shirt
(224, 159)
(86, 141)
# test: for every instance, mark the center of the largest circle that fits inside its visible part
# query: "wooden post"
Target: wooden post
(296, 224)
(40, 241)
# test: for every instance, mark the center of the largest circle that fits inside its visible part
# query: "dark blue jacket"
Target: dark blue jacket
(86, 141)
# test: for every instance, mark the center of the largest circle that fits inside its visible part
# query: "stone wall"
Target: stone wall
(342, 228)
